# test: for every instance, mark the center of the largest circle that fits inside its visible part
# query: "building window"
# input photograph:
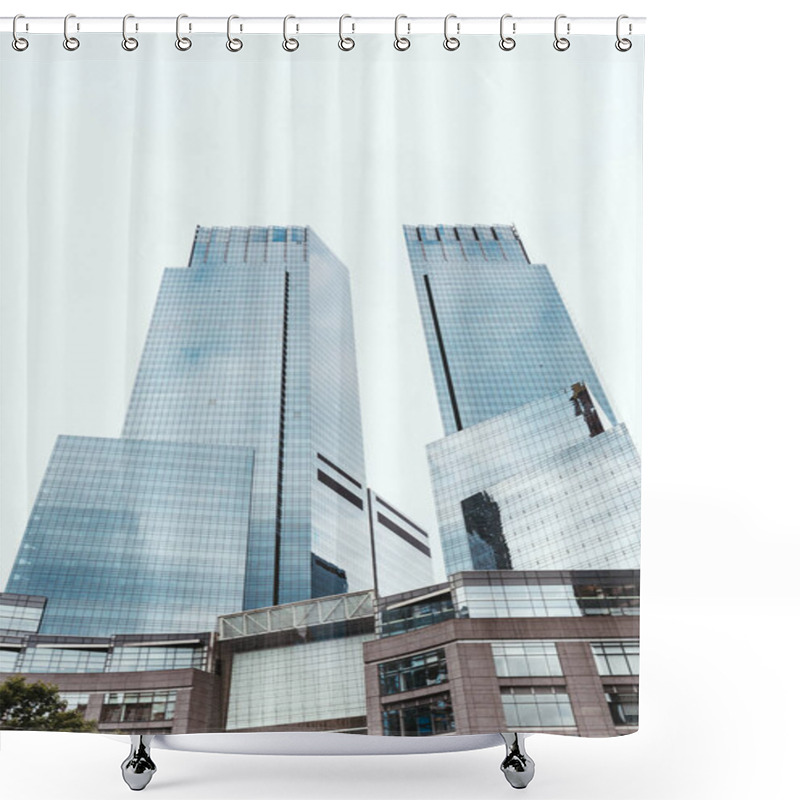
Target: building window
(616, 658)
(8, 660)
(143, 659)
(76, 701)
(412, 616)
(526, 659)
(537, 707)
(623, 703)
(68, 659)
(415, 672)
(20, 617)
(425, 716)
(138, 707)
(499, 600)
(595, 599)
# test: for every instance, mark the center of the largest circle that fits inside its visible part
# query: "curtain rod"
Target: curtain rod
(328, 25)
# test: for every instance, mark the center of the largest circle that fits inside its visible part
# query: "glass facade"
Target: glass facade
(20, 613)
(535, 472)
(401, 549)
(253, 345)
(76, 701)
(526, 659)
(533, 707)
(623, 703)
(76, 654)
(498, 333)
(415, 672)
(298, 663)
(145, 659)
(63, 659)
(299, 683)
(425, 716)
(132, 536)
(556, 493)
(516, 593)
(8, 659)
(416, 614)
(130, 707)
(239, 478)
(616, 658)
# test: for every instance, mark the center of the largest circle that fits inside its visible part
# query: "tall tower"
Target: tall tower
(535, 472)
(239, 479)
(497, 330)
(253, 345)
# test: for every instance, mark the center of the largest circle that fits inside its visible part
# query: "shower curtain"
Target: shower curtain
(320, 384)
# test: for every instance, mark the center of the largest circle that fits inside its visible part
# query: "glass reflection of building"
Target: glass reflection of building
(239, 478)
(534, 472)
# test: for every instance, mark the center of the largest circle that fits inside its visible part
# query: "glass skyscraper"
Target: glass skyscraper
(535, 473)
(239, 478)
(537, 489)
(497, 330)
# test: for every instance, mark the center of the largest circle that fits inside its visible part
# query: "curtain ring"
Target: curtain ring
(289, 45)
(623, 45)
(234, 45)
(346, 43)
(128, 42)
(561, 43)
(451, 42)
(182, 42)
(401, 42)
(18, 43)
(507, 42)
(70, 42)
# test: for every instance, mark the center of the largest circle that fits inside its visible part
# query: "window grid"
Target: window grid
(415, 672)
(616, 658)
(533, 707)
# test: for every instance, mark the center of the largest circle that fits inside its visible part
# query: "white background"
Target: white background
(719, 696)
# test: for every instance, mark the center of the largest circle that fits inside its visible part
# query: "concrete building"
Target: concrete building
(508, 650)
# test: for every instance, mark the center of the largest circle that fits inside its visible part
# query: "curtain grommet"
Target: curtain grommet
(507, 43)
(70, 43)
(183, 43)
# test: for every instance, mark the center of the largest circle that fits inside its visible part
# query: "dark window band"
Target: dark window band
(339, 470)
(276, 577)
(450, 388)
(405, 535)
(398, 514)
(339, 489)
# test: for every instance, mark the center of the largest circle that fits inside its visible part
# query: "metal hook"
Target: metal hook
(623, 45)
(507, 42)
(182, 42)
(70, 42)
(128, 42)
(561, 43)
(234, 45)
(18, 43)
(290, 45)
(345, 42)
(401, 42)
(451, 42)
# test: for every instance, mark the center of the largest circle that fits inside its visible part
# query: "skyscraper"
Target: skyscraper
(239, 478)
(535, 473)
(497, 330)
(401, 549)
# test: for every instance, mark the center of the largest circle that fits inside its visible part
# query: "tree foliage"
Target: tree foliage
(37, 707)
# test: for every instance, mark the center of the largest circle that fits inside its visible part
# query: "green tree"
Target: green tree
(37, 707)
